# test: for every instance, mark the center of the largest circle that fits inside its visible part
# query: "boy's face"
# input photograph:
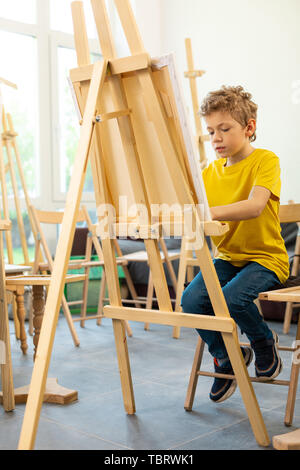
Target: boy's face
(228, 137)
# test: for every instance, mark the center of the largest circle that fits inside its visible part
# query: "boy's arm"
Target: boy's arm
(243, 210)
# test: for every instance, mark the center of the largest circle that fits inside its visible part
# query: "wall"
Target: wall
(253, 43)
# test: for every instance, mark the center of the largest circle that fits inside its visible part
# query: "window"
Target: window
(19, 65)
(61, 18)
(37, 52)
(22, 103)
(68, 126)
(65, 123)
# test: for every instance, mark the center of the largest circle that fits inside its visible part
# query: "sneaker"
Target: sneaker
(224, 388)
(268, 363)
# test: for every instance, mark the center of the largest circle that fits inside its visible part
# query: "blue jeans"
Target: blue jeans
(240, 287)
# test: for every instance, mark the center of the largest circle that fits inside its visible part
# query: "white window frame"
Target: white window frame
(32, 30)
(50, 197)
(58, 39)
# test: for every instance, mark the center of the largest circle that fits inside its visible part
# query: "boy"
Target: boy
(243, 189)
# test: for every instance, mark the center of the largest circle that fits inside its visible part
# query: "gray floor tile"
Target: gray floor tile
(160, 369)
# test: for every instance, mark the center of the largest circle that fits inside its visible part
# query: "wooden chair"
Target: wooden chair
(55, 218)
(39, 283)
(288, 441)
(288, 213)
(291, 213)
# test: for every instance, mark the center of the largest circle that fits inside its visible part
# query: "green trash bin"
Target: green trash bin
(74, 290)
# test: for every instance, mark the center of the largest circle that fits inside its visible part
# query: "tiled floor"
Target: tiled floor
(160, 369)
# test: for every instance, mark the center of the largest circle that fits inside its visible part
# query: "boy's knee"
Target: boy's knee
(192, 301)
(186, 301)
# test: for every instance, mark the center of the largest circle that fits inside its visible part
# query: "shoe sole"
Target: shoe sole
(233, 386)
(279, 365)
(228, 394)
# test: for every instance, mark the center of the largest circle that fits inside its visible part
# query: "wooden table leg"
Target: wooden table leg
(38, 305)
(21, 312)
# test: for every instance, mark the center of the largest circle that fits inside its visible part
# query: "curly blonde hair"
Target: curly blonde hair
(234, 100)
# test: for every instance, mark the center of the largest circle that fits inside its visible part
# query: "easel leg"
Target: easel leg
(233, 349)
(124, 366)
(180, 284)
(246, 389)
(54, 298)
(150, 292)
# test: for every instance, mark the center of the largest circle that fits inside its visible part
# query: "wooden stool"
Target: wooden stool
(289, 441)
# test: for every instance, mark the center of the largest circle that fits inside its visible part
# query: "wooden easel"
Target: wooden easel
(8, 237)
(135, 132)
(10, 144)
(5, 208)
(192, 75)
(6, 364)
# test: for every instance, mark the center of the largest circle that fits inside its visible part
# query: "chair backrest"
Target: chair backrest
(289, 213)
(52, 218)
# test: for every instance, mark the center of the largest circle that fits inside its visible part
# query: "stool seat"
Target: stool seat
(16, 269)
(38, 280)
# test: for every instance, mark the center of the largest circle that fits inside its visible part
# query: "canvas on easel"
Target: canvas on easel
(136, 134)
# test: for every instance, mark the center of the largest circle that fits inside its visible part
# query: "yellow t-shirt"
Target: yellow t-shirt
(256, 239)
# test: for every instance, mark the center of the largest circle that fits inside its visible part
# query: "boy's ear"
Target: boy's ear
(251, 127)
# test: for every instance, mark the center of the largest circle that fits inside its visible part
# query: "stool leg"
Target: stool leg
(287, 317)
(290, 404)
